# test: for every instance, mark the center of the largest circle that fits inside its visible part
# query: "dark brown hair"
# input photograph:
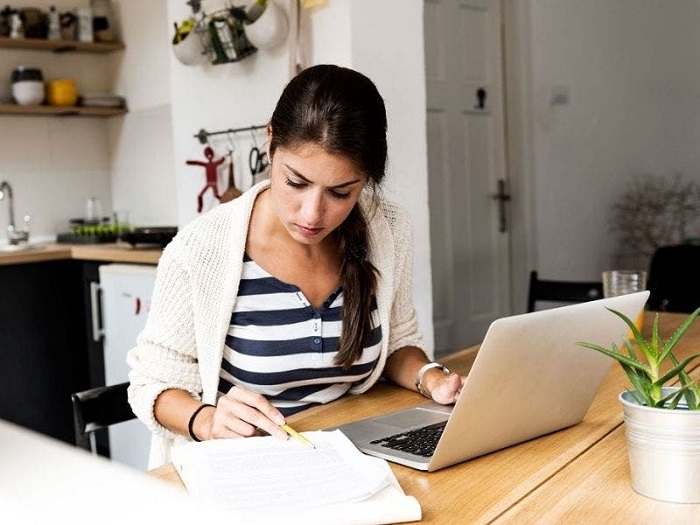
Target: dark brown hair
(341, 110)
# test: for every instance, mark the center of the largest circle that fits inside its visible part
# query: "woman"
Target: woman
(295, 293)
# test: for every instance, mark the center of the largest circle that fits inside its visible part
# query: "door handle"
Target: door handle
(480, 99)
(97, 331)
(502, 196)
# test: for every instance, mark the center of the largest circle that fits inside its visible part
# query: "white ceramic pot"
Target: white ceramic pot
(270, 29)
(664, 450)
(28, 92)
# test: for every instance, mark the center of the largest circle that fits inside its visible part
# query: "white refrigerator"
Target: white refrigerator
(126, 291)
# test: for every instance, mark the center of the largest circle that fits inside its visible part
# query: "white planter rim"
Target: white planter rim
(627, 399)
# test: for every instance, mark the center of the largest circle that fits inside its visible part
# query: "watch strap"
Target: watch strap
(421, 373)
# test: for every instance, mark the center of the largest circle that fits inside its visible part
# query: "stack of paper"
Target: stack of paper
(264, 478)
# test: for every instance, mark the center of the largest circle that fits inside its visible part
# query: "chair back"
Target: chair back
(561, 291)
(98, 408)
(674, 282)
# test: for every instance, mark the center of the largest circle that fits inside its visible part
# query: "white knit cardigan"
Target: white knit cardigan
(181, 345)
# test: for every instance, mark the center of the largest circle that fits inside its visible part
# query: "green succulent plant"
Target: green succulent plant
(645, 374)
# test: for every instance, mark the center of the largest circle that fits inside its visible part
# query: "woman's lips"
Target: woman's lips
(310, 232)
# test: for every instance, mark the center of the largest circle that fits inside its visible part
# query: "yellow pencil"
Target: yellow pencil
(289, 430)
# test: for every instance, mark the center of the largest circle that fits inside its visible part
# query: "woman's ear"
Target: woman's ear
(268, 140)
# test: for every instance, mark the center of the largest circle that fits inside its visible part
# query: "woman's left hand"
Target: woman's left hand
(445, 389)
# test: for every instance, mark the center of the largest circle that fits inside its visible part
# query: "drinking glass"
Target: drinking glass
(121, 221)
(621, 282)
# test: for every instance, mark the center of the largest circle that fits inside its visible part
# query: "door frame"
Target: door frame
(517, 81)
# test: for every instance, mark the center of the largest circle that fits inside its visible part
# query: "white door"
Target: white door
(466, 167)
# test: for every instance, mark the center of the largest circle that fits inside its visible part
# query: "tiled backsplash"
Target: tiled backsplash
(53, 165)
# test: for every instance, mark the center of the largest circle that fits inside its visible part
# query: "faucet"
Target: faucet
(14, 236)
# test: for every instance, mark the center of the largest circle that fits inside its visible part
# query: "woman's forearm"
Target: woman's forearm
(402, 368)
(173, 409)
(403, 365)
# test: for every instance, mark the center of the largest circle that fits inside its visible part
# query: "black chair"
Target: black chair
(561, 291)
(98, 408)
(674, 282)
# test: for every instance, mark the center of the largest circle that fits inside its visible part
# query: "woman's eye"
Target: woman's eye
(293, 184)
(339, 195)
(334, 193)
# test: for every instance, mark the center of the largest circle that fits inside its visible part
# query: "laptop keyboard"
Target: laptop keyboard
(421, 442)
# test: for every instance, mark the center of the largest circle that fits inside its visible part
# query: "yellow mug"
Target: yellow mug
(61, 92)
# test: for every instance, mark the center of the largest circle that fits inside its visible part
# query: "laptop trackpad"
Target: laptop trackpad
(412, 418)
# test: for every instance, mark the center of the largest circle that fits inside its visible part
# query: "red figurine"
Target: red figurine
(211, 167)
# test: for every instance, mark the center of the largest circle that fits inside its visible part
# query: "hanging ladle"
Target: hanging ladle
(231, 192)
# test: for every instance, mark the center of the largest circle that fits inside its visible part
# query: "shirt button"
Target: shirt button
(317, 340)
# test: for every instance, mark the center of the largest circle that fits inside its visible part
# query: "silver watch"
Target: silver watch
(421, 373)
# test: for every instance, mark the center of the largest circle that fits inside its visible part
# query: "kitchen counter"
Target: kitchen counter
(116, 252)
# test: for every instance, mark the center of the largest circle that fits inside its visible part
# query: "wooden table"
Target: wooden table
(576, 475)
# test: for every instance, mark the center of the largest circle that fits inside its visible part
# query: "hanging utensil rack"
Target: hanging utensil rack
(221, 33)
(203, 135)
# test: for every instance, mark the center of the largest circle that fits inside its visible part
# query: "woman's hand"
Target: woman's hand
(444, 389)
(403, 365)
(240, 413)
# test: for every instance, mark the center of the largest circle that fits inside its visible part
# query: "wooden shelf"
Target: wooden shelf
(61, 111)
(59, 46)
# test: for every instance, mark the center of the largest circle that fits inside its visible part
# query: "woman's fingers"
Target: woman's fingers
(244, 413)
(448, 389)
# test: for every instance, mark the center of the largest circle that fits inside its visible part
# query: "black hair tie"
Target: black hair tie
(190, 424)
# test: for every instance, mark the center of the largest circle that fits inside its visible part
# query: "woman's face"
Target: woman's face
(313, 191)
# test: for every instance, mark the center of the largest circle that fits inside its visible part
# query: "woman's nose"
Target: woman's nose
(312, 208)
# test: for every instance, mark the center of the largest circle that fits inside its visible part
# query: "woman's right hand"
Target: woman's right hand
(240, 413)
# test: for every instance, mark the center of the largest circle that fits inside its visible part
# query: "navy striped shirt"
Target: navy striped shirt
(280, 346)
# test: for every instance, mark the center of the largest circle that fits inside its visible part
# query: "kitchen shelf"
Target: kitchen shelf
(61, 111)
(59, 46)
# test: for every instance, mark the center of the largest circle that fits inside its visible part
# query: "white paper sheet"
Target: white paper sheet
(265, 472)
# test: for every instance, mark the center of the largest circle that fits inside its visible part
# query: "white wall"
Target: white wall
(630, 67)
(393, 58)
(142, 160)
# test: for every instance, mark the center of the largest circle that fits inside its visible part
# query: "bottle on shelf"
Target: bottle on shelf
(16, 25)
(85, 33)
(54, 25)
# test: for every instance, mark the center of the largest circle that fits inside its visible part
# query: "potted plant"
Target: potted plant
(662, 423)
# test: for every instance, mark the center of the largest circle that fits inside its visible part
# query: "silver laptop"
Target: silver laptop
(528, 379)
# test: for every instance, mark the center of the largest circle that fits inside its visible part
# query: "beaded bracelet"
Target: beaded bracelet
(191, 423)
